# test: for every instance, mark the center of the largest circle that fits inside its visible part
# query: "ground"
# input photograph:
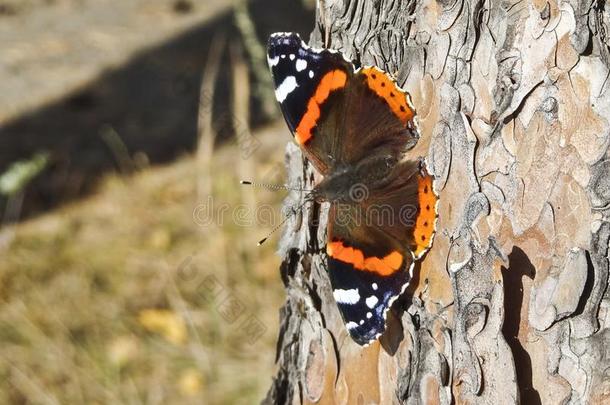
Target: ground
(125, 297)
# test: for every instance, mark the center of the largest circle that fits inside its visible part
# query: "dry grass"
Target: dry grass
(119, 298)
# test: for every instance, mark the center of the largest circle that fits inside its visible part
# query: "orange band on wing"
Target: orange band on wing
(384, 266)
(426, 218)
(385, 88)
(333, 80)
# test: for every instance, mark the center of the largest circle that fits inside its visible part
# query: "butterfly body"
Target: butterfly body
(371, 173)
(357, 127)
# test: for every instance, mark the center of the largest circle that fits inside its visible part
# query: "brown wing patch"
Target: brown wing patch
(383, 266)
(425, 224)
(387, 89)
(331, 81)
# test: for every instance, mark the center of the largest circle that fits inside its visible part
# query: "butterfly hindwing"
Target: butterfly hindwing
(372, 244)
(367, 268)
(405, 206)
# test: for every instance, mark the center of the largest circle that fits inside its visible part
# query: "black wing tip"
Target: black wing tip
(277, 35)
(277, 39)
(284, 33)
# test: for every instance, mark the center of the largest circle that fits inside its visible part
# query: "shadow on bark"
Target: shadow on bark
(519, 267)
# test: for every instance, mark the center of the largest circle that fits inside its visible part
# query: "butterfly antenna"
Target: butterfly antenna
(271, 186)
(278, 226)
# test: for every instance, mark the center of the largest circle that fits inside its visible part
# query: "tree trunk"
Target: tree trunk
(509, 305)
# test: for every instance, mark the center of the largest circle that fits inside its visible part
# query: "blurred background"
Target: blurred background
(129, 271)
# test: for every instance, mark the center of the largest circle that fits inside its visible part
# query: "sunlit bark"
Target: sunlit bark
(509, 305)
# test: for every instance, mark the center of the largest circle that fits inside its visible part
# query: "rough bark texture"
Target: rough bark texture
(511, 303)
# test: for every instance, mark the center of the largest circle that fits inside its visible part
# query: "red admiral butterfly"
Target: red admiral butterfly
(356, 126)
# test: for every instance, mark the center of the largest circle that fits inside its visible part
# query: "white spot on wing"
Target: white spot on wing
(371, 301)
(284, 89)
(292, 56)
(283, 56)
(375, 286)
(311, 74)
(369, 315)
(362, 322)
(351, 325)
(301, 65)
(346, 296)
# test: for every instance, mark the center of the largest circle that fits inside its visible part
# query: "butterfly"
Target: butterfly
(357, 127)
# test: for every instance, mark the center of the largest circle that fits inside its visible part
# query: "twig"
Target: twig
(241, 115)
(118, 148)
(205, 132)
(257, 55)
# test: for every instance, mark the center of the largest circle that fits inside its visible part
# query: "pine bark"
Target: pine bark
(511, 303)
